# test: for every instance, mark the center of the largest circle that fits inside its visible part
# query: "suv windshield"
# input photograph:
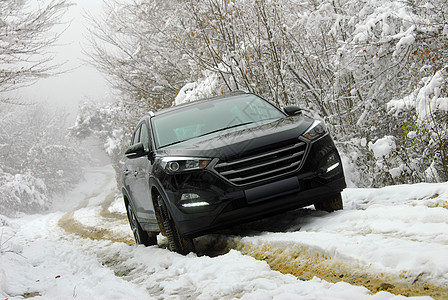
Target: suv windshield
(211, 116)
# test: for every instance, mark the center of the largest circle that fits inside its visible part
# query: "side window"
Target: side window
(144, 136)
(136, 136)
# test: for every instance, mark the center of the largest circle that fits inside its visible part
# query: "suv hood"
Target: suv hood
(236, 141)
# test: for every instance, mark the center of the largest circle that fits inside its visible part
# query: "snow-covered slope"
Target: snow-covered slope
(390, 240)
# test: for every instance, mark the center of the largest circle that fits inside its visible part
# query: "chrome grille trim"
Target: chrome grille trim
(264, 165)
(266, 173)
(239, 161)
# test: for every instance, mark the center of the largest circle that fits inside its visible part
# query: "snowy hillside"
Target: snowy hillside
(385, 243)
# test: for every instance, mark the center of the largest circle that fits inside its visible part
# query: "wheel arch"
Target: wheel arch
(156, 189)
(154, 194)
(126, 199)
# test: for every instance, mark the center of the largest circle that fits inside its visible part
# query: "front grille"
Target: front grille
(264, 164)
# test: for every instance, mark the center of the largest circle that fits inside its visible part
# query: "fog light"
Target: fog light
(332, 162)
(192, 200)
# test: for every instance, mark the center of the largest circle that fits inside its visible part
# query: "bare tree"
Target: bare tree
(345, 60)
(131, 43)
(26, 35)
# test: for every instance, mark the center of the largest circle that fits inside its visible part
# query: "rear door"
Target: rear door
(130, 167)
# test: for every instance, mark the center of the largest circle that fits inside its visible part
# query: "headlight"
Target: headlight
(181, 164)
(316, 130)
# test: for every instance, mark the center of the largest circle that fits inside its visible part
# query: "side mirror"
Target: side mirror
(292, 110)
(136, 151)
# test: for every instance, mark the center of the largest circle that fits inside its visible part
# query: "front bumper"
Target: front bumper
(319, 178)
(238, 211)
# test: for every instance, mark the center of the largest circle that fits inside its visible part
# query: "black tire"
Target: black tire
(176, 242)
(331, 204)
(141, 237)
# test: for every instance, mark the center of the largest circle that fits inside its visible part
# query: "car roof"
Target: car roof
(193, 103)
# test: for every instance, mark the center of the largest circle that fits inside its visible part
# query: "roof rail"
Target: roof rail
(238, 92)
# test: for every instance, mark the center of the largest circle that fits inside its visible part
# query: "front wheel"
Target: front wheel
(176, 242)
(331, 204)
(141, 237)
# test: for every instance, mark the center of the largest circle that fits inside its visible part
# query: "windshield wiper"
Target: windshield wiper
(173, 143)
(225, 128)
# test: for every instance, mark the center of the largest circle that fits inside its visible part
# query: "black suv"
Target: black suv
(219, 162)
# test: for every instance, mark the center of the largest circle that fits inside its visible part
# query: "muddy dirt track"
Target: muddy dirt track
(296, 260)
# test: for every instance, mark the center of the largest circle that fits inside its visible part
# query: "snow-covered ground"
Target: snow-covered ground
(390, 240)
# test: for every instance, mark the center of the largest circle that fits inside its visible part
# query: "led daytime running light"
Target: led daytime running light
(195, 204)
(332, 167)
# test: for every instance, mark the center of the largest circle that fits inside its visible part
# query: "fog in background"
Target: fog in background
(82, 82)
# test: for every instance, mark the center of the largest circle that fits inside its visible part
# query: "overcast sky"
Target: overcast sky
(84, 82)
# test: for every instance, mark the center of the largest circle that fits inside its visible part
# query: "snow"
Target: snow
(428, 95)
(407, 38)
(397, 106)
(185, 93)
(51, 266)
(22, 191)
(204, 88)
(113, 143)
(399, 238)
(442, 104)
(380, 16)
(425, 100)
(394, 230)
(383, 147)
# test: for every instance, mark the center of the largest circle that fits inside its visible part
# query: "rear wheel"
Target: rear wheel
(176, 242)
(331, 204)
(141, 237)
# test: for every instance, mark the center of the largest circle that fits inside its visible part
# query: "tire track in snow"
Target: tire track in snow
(102, 195)
(297, 260)
(305, 264)
(71, 225)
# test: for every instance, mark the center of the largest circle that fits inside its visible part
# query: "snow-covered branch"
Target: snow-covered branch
(26, 36)
(345, 60)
